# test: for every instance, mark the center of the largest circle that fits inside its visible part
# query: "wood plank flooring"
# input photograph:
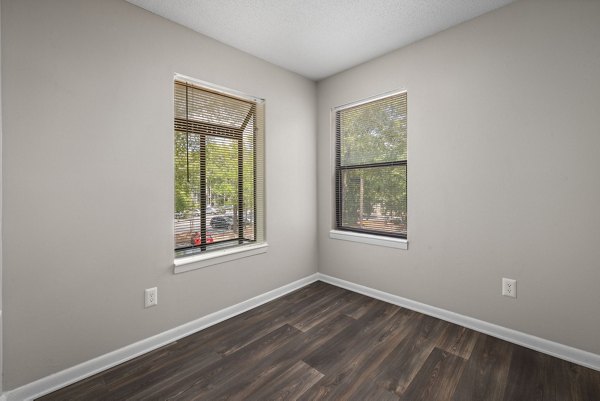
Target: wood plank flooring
(326, 343)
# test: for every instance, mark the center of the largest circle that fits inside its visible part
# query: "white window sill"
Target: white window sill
(215, 257)
(389, 242)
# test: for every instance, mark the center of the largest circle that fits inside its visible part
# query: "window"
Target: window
(218, 169)
(371, 166)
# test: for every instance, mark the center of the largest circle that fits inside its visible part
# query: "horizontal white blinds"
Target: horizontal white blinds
(373, 132)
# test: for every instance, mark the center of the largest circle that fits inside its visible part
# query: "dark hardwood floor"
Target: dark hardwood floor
(326, 343)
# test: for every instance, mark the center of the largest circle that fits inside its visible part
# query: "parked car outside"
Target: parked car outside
(221, 222)
(209, 210)
(184, 214)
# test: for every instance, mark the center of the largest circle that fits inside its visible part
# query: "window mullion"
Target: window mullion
(240, 206)
(374, 165)
(203, 191)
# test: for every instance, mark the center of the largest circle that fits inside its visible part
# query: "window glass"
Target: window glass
(371, 166)
(218, 179)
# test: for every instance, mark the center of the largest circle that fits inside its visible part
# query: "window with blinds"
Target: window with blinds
(371, 165)
(219, 166)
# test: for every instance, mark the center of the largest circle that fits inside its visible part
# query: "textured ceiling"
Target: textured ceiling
(318, 38)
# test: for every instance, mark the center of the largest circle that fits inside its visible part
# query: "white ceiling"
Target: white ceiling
(318, 38)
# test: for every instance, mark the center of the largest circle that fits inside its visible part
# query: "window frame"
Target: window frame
(339, 231)
(204, 257)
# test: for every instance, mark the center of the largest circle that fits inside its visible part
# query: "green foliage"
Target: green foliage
(187, 167)
(222, 170)
(372, 133)
(222, 175)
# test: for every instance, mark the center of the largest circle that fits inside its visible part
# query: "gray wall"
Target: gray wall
(503, 175)
(503, 170)
(88, 179)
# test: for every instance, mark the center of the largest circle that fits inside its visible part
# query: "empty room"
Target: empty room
(300, 200)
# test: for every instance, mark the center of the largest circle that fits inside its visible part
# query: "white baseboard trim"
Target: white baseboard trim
(558, 350)
(73, 374)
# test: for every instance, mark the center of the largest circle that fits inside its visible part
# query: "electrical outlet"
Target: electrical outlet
(509, 287)
(151, 297)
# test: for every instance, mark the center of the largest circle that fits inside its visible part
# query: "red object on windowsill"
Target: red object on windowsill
(197, 239)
